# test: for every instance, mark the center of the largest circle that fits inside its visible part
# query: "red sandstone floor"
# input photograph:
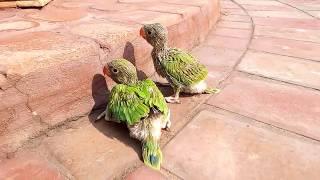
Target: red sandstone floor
(265, 123)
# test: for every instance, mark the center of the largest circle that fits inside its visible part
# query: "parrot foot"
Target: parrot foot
(211, 91)
(173, 100)
(101, 115)
(168, 125)
(167, 129)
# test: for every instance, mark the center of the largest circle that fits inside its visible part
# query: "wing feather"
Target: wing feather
(130, 104)
(183, 68)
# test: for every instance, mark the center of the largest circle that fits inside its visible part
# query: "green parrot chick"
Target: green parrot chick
(140, 105)
(182, 70)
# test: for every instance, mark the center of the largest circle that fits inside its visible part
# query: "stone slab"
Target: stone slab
(227, 42)
(286, 106)
(30, 166)
(287, 47)
(279, 22)
(93, 150)
(145, 173)
(288, 33)
(280, 14)
(219, 145)
(54, 56)
(232, 32)
(294, 70)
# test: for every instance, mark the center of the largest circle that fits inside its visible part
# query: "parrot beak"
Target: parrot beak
(106, 71)
(142, 33)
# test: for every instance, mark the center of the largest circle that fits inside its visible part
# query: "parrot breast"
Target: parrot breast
(152, 124)
(199, 87)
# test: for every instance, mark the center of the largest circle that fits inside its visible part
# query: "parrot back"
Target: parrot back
(130, 104)
(182, 69)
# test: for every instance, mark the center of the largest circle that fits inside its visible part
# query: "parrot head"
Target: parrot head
(155, 34)
(121, 71)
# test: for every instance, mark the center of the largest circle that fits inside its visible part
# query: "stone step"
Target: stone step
(51, 59)
(221, 145)
(262, 125)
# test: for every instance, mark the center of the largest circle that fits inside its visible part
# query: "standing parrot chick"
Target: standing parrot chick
(140, 105)
(182, 70)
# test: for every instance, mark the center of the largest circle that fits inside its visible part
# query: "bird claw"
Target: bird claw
(97, 119)
(100, 116)
(167, 129)
(173, 100)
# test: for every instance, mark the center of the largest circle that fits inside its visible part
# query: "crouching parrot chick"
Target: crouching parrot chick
(140, 105)
(181, 69)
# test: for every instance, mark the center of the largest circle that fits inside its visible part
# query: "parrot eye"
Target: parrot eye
(115, 70)
(149, 32)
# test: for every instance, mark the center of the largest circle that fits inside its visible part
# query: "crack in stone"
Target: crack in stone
(221, 82)
(301, 10)
(34, 114)
(4, 124)
(45, 133)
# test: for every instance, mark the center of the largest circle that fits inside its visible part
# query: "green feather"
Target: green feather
(151, 153)
(131, 103)
(182, 68)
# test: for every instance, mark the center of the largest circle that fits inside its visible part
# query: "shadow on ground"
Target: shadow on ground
(128, 54)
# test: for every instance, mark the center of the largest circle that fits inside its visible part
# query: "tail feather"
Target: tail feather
(151, 153)
(211, 91)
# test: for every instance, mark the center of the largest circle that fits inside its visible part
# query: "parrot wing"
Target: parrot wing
(154, 97)
(182, 68)
(130, 104)
(126, 104)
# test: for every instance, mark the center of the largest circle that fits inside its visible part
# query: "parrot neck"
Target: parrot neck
(160, 49)
(128, 79)
(160, 46)
(132, 81)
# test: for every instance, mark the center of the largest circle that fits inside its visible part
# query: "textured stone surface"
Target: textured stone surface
(218, 57)
(21, 53)
(315, 13)
(17, 25)
(18, 124)
(237, 18)
(178, 115)
(230, 11)
(184, 10)
(287, 22)
(53, 65)
(53, 57)
(288, 33)
(260, 3)
(300, 49)
(231, 32)
(7, 13)
(49, 114)
(281, 14)
(29, 166)
(52, 13)
(304, 5)
(145, 173)
(217, 145)
(284, 68)
(106, 148)
(237, 25)
(286, 106)
(229, 5)
(227, 42)
(111, 35)
(278, 7)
